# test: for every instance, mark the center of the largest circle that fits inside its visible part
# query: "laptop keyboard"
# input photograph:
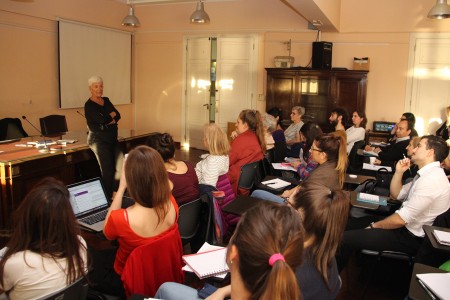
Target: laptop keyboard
(95, 218)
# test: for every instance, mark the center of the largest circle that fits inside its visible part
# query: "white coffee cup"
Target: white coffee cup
(372, 160)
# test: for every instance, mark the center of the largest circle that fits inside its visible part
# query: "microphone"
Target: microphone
(81, 114)
(45, 149)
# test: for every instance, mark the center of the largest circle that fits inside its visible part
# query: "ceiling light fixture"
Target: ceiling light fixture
(441, 10)
(199, 16)
(131, 19)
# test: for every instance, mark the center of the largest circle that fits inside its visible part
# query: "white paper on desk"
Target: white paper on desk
(375, 167)
(206, 247)
(280, 166)
(382, 144)
(276, 183)
(438, 283)
(443, 237)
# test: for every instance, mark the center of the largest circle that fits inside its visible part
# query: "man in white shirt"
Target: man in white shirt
(426, 197)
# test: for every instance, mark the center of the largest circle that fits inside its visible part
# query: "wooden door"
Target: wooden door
(282, 92)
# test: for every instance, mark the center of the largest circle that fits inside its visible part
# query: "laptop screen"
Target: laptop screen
(87, 196)
(381, 126)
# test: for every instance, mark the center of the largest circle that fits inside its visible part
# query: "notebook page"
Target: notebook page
(207, 264)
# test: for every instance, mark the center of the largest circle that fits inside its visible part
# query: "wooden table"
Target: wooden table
(21, 166)
(241, 204)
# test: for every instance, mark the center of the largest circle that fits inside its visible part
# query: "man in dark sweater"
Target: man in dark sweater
(389, 155)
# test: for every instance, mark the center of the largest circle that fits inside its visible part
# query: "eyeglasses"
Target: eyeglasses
(315, 149)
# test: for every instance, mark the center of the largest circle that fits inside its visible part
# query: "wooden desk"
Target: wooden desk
(241, 204)
(21, 167)
(429, 233)
(351, 182)
(416, 291)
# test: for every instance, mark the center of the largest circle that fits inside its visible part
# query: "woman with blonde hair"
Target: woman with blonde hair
(262, 255)
(216, 162)
(249, 145)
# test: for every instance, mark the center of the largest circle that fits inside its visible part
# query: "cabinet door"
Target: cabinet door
(349, 91)
(281, 92)
(314, 92)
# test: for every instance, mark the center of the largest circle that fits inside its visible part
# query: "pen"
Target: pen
(409, 169)
(426, 289)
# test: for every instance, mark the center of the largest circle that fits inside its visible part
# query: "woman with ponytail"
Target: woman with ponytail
(330, 152)
(262, 255)
(324, 213)
(248, 146)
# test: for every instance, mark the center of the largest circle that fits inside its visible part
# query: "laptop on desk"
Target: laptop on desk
(89, 203)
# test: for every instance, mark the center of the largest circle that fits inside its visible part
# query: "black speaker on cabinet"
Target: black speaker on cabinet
(321, 55)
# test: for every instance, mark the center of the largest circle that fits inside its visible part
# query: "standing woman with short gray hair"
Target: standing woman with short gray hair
(102, 118)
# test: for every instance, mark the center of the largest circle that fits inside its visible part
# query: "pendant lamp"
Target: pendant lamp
(441, 10)
(199, 16)
(131, 19)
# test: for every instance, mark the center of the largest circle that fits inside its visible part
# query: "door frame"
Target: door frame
(254, 79)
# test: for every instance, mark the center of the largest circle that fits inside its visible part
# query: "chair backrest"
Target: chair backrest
(76, 291)
(154, 263)
(279, 152)
(11, 128)
(355, 161)
(443, 220)
(189, 219)
(53, 125)
(250, 175)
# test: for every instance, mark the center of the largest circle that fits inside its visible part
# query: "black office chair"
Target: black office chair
(53, 125)
(189, 220)
(250, 175)
(76, 291)
(279, 152)
(355, 161)
(11, 128)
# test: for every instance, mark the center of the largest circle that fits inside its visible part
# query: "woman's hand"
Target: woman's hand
(234, 134)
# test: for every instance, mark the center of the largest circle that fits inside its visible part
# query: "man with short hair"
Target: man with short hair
(425, 198)
(396, 151)
(338, 118)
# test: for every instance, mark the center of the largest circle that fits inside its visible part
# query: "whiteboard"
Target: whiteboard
(86, 50)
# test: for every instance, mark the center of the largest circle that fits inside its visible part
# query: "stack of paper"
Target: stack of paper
(370, 153)
(443, 237)
(375, 168)
(276, 183)
(369, 198)
(283, 166)
(438, 283)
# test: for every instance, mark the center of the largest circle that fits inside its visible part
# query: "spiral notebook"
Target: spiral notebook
(207, 264)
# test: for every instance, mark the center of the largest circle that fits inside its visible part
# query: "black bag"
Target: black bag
(379, 185)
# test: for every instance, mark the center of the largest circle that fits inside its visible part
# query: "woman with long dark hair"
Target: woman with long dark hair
(46, 251)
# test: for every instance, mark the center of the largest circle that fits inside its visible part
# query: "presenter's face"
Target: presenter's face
(96, 89)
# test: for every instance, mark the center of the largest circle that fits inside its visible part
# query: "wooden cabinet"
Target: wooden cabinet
(319, 91)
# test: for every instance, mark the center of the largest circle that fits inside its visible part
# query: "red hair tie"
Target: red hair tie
(274, 258)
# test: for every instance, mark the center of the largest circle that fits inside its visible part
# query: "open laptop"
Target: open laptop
(89, 203)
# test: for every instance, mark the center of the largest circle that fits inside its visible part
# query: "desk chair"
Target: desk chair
(189, 220)
(250, 175)
(154, 263)
(355, 161)
(75, 291)
(53, 125)
(11, 128)
(279, 151)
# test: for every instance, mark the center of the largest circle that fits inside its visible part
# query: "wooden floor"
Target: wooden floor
(364, 277)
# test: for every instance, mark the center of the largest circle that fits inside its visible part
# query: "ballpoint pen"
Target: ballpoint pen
(409, 169)
(426, 289)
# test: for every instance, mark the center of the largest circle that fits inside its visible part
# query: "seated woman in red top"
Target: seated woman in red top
(181, 173)
(248, 146)
(155, 212)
